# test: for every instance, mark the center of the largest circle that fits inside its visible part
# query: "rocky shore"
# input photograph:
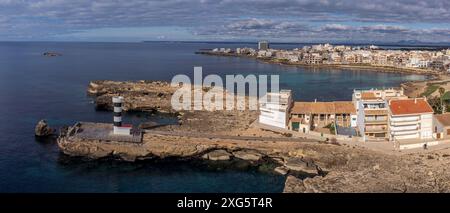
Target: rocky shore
(155, 97)
(365, 171)
(163, 146)
(309, 166)
(150, 96)
(224, 136)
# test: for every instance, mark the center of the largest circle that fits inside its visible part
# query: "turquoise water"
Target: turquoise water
(33, 87)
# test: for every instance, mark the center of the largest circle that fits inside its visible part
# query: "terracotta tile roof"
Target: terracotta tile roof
(444, 119)
(409, 106)
(344, 107)
(368, 96)
(311, 107)
(337, 107)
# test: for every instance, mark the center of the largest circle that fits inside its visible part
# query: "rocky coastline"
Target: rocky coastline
(309, 166)
(159, 146)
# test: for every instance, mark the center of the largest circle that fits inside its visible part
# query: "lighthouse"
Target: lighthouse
(119, 128)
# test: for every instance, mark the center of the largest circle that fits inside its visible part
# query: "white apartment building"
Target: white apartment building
(372, 111)
(275, 107)
(410, 119)
(263, 45)
(312, 58)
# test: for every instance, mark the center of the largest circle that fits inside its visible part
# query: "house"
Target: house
(441, 126)
(274, 108)
(372, 111)
(306, 116)
(410, 119)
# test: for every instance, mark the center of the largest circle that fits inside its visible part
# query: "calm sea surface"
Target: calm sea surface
(33, 87)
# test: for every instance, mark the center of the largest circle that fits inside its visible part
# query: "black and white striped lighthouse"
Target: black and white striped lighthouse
(117, 103)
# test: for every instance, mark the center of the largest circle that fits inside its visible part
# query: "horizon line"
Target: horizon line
(402, 43)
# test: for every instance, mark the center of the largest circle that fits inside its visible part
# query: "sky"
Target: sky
(225, 20)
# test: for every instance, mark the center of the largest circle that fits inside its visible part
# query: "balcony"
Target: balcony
(403, 123)
(405, 119)
(404, 133)
(404, 128)
(375, 120)
(374, 129)
(380, 111)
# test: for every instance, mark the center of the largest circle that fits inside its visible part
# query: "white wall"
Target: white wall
(354, 120)
(360, 120)
(273, 118)
(404, 127)
(426, 130)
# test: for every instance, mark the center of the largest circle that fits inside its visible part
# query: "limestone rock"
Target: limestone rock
(294, 185)
(376, 167)
(248, 155)
(217, 155)
(300, 165)
(281, 170)
(42, 129)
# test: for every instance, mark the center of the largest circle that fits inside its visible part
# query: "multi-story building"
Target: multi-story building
(264, 53)
(263, 45)
(410, 119)
(274, 108)
(372, 111)
(312, 58)
(437, 65)
(379, 59)
(334, 58)
(306, 116)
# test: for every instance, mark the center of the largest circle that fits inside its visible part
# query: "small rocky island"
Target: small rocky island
(51, 54)
(42, 129)
(309, 165)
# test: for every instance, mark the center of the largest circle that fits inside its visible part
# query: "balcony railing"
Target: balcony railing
(375, 119)
(376, 129)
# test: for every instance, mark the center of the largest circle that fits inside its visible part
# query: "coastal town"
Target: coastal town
(372, 115)
(311, 143)
(379, 131)
(420, 61)
(375, 115)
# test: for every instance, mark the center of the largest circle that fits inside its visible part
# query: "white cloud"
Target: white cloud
(230, 18)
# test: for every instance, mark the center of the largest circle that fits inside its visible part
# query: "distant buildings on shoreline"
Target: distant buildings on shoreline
(263, 45)
(342, 55)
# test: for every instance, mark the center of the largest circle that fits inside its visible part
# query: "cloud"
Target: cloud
(335, 27)
(258, 28)
(296, 19)
(384, 29)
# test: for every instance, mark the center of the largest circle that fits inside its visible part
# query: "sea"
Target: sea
(34, 87)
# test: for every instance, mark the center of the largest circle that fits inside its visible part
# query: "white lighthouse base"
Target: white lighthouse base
(123, 130)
